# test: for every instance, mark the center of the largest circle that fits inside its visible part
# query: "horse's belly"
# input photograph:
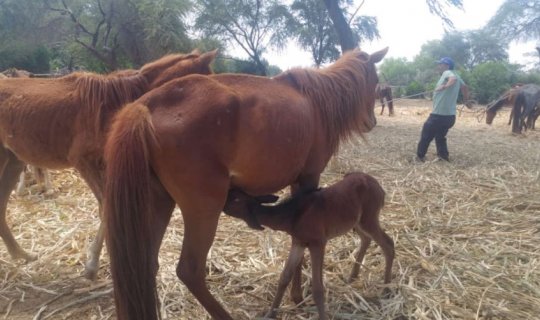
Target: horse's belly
(267, 173)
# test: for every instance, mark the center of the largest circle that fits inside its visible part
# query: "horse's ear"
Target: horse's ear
(269, 198)
(208, 57)
(196, 51)
(378, 56)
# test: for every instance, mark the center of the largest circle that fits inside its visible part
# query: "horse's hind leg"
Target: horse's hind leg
(10, 170)
(201, 216)
(359, 257)
(372, 228)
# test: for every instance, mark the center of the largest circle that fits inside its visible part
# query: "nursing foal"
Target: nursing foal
(312, 219)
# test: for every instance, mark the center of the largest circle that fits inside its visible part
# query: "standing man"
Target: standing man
(443, 116)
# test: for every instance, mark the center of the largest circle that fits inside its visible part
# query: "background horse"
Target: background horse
(60, 123)
(384, 92)
(191, 140)
(40, 174)
(506, 99)
(524, 110)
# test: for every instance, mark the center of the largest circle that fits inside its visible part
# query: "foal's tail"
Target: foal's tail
(127, 213)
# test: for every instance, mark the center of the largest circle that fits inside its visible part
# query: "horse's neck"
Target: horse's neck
(279, 217)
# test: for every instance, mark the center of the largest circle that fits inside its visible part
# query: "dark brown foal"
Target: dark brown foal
(313, 218)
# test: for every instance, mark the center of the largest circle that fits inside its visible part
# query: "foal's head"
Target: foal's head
(243, 206)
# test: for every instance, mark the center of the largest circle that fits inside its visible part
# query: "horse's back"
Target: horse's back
(261, 138)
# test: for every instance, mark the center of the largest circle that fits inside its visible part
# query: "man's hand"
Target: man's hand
(469, 104)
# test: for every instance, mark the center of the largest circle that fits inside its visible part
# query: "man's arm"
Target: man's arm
(448, 84)
(465, 92)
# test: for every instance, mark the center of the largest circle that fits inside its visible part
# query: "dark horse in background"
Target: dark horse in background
(525, 102)
(384, 92)
(192, 140)
(526, 108)
(61, 123)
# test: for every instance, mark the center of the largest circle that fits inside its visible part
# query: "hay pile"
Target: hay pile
(467, 235)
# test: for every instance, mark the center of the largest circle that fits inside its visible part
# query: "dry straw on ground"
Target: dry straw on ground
(467, 235)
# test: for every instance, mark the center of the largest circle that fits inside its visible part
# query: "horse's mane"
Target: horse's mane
(507, 98)
(100, 94)
(338, 92)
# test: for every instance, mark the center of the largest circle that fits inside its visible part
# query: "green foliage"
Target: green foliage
(252, 25)
(489, 80)
(516, 20)
(233, 65)
(313, 29)
(33, 59)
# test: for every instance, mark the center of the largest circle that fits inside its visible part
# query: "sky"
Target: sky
(405, 25)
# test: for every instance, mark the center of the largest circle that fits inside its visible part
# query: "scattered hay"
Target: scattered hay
(466, 232)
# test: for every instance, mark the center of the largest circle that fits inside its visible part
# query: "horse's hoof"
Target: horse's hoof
(270, 314)
(27, 257)
(297, 299)
(90, 273)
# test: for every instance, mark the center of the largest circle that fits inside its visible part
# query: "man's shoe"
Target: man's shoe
(419, 159)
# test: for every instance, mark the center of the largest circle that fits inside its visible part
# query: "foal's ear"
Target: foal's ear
(378, 56)
(269, 198)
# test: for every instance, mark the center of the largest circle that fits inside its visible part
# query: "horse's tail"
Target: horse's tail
(517, 122)
(127, 213)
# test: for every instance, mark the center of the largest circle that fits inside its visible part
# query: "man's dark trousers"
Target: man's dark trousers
(436, 126)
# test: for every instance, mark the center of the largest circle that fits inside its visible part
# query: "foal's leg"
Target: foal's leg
(372, 228)
(305, 182)
(359, 257)
(293, 261)
(10, 170)
(317, 261)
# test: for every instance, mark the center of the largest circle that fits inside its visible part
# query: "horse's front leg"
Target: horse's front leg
(316, 251)
(305, 182)
(10, 170)
(296, 255)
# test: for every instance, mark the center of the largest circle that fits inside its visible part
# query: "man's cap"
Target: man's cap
(448, 61)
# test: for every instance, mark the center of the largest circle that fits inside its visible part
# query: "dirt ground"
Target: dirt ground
(466, 234)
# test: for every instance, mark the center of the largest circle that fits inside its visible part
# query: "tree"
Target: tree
(346, 36)
(121, 33)
(253, 25)
(517, 20)
(314, 31)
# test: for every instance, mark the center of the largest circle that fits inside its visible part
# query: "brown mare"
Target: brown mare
(191, 140)
(41, 175)
(60, 123)
(384, 92)
(313, 218)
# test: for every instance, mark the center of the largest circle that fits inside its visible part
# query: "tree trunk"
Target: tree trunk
(347, 40)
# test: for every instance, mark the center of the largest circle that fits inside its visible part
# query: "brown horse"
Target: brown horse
(60, 123)
(506, 99)
(191, 140)
(384, 92)
(312, 219)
